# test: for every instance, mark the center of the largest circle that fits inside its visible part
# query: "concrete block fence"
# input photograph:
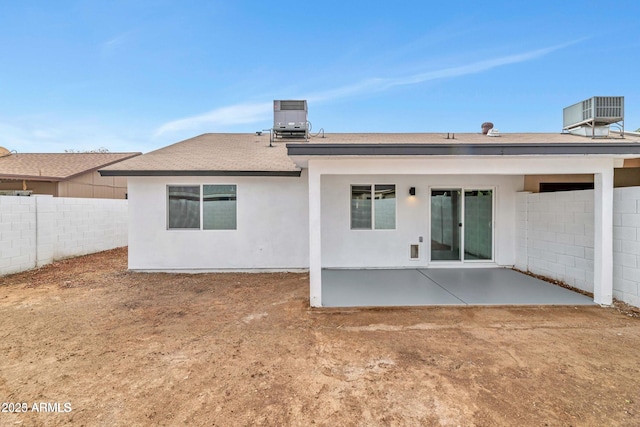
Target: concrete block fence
(38, 230)
(555, 235)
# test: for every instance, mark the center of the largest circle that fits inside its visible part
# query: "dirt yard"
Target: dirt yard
(100, 346)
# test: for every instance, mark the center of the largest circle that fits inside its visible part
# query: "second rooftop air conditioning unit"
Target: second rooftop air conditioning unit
(593, 116)
(290, 118)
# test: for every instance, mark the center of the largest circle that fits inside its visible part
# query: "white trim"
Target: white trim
(603, 237)
(315, 235)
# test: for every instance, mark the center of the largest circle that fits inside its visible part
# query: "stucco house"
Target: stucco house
(259, 202)
(62, 174)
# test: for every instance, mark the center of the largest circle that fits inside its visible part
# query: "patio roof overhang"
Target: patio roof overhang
(302, 152)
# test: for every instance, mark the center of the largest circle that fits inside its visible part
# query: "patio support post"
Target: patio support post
(603, 238)
(315, 241)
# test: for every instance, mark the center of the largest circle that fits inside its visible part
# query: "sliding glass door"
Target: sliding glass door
(461, 224)
(446, 210)
(478, 220)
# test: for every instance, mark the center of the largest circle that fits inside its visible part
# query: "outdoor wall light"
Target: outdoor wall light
(412, 191)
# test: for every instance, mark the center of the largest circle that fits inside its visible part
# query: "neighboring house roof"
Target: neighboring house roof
(250, 154)
(56, 166)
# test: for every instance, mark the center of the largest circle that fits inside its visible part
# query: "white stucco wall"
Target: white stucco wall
(272, 227)
(346, 248)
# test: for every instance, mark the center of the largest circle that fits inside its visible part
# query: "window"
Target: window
(184, 207)
(385, 207)
(219, 207)
(379, 215)
(361, 207)
(218, 203)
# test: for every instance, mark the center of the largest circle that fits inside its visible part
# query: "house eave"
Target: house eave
(294, 173)
(494, 149)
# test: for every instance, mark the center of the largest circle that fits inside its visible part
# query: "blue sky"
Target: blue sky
(139, 75)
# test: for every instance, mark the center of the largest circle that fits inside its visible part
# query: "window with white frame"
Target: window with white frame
(373, 207)
(206, 207)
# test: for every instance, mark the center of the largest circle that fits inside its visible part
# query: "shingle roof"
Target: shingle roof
(212, 154)
(55, 166)
(249, 154)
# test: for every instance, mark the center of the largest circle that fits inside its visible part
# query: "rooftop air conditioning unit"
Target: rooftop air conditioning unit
(290, 118)
(593, 116)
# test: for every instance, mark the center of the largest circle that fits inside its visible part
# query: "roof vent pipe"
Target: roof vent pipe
(486, 127)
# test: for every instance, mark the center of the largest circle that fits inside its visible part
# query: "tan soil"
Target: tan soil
(245, 349)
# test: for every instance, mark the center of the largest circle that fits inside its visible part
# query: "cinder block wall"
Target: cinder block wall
(17, 234)
(555, 236)
(88, 225)
(626, 245)
(35, 231)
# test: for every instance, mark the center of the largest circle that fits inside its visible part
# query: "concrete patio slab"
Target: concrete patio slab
(416, 287)
(502, 286)
(362, 288)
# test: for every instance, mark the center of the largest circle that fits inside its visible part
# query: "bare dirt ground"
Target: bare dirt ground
(132, 349)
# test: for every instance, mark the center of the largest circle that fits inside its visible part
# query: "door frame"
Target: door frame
(462, 261)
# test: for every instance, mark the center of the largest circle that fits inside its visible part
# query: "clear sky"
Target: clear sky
(139, 75)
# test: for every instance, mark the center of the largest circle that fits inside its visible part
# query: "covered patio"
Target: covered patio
(440, 286)
(375, 206)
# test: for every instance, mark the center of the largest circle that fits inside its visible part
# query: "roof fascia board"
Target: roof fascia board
(198, 173)
(31, 177)
(485, 149)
